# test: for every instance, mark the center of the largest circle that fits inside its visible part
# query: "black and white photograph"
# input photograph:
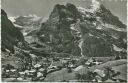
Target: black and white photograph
(64, 41)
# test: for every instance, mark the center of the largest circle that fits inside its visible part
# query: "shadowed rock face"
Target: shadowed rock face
(100, 42)
(13, 44)
(56, 31)
(55, 34)
(96, 42)
(10, 35)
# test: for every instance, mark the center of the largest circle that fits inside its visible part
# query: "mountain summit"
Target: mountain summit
(72, 30)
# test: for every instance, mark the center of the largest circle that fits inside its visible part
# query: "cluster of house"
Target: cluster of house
(39, 71)
(92, 62)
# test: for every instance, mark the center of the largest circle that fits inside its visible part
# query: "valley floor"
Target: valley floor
(98, 69)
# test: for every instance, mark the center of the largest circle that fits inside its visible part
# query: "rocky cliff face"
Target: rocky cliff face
(102, 33)
(77, 31)
(13, 45)
(56, 31)
(88, 32)
(108, 17)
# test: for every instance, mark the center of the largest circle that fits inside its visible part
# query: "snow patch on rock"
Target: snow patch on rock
(12, 18)
(116, 48)
(80, 46)
(90, 34)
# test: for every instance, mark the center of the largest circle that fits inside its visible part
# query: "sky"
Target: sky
(44, 7)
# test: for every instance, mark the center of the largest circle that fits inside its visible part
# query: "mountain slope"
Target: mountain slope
(11, 35)
(13, 44)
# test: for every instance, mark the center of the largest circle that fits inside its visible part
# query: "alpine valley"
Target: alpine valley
(74, 44)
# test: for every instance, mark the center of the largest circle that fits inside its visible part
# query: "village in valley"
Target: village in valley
(79, 69)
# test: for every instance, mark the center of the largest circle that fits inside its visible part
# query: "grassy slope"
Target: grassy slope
(117, 65)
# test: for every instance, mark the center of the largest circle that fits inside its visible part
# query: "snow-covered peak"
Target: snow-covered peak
(32, 15)
(94, 7)
(45, 19)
